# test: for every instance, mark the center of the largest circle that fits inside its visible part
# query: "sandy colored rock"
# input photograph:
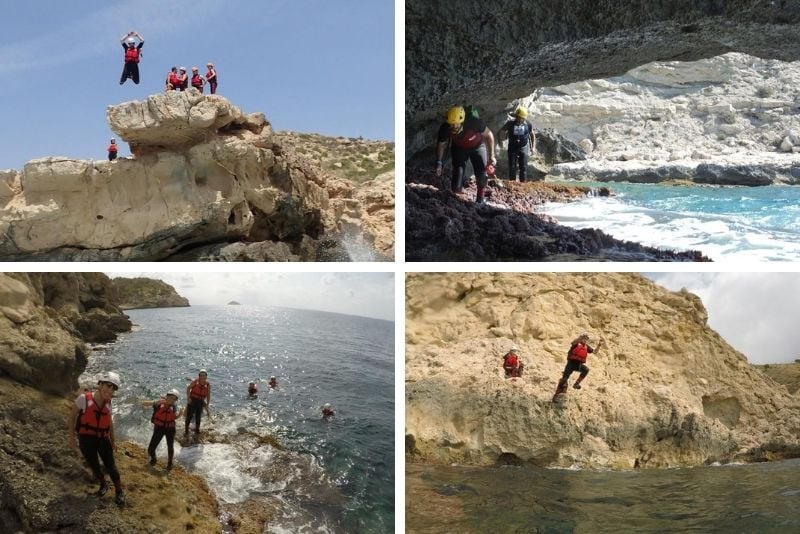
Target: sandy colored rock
(134, 293)
(665, 390)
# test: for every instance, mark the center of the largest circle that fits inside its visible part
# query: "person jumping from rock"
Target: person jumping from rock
(520, 136)
(512, 363)
(469, 140)
(576, 361)
(90, 422)
(133, 54)
(198, 394)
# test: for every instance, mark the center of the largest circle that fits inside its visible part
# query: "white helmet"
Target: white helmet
(327, 405)
(174, 393)
(272, 377)
(203, 372)
(514, 348)
(131, 41)
(111, 378)
(183, 69)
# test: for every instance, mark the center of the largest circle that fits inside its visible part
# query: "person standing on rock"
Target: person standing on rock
(470, 140)
(211, 78)
(165, 412)
(184, 80)
(576, 361)
(173, 79)
(112, 150)
(133, 54)
(197, 80)
(520, 135)
(90, 422)
(512, 364)
(198, 395)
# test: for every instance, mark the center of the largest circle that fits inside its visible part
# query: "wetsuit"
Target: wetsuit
(519, 134)
(163, 425)
(211, 77)
(468, 144)
(197, 82)
(112, 152)
(131, 68)
(197, 400)
(576, 361)
(512, 365)
(94, 423)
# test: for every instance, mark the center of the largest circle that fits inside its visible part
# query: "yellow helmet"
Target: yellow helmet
(521, 112)
(455, 115)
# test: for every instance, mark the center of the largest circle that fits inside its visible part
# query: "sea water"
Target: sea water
(724, 223)
(332, 476)
(763, 498)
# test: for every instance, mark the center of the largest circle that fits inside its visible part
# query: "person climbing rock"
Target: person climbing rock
(197, 80)
(211, 77)
(576, 361)
(252, 389)
(327, 410)
(165, 412)
(198, 395)
(469, 140)
(521, 143)
(90, 421)
(133, 53)
(112, 150)
(512, 363)
(173, 79)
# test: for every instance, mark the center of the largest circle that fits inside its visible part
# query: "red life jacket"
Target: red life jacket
(132, 55)
(94, 421)
(198, 390)
(327, 411)
(466, 139)
(112, 147)
(579, 352)
(209, 74)
(197, 81)
(174, 80)
(164, 416)
(511, 360)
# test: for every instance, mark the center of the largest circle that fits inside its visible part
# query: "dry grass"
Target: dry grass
(787, 374)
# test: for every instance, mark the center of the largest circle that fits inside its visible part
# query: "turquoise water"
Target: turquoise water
(335, 476)
(763, 498)
(725, 223)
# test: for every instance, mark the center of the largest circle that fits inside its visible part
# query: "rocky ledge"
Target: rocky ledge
(207, 181)
(134, 293)
(665, 390)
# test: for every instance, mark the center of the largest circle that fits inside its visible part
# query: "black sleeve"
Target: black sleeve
(124, 46)
(140, 46)
(589, 349)
(444, 133)
(530, 127)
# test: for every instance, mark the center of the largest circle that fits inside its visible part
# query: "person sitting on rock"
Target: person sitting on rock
(252, 389)
(112, 150)
(469, 140)
(520, 135)
(512, 363)
(576, 361)
(165, 412)
(133, 54)
(273, 382)
(197, 80)
(173, 79)
(91, 423)
(211, 77)
(198, 394)
(327, 411)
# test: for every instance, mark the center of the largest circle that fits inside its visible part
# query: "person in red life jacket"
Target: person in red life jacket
(198, 395)
(184, 80)
(576, 361)
(521, 143)
(512, 363)
(173, 79)
(252, 389)
(91, 423)
(112, 150)
(469, 140)
(197, 80)
(165, 412)
(273, 382)
(133, 53)
(327, 411)
(211, 77)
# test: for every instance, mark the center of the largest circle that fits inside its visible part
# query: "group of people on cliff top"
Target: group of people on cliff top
(470, 140)
(132, 43)
(577, 354)
(91, 427)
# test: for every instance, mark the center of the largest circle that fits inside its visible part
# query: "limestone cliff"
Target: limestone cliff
(666, 390)
(44, 485)
(204, 174)
(134, 293)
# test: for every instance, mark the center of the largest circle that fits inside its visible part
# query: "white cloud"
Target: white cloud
(755, 312)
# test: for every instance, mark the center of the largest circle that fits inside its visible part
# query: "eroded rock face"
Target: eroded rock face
(203, 173)
(525, 46)
(665, 390)
(133, 293)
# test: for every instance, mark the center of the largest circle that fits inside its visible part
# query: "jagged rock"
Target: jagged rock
(665, 390)
(134, 293)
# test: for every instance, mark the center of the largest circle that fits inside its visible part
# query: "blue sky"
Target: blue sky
(310, 65)
(363, 294)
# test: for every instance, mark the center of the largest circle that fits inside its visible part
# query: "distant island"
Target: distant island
(234, 303)
(136, 293)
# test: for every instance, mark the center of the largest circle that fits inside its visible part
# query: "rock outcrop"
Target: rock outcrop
(203, 173)
(134, 293)
(665, 390)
